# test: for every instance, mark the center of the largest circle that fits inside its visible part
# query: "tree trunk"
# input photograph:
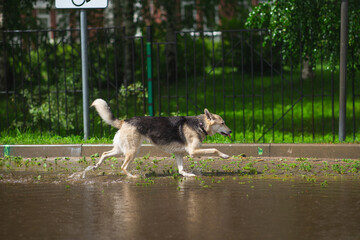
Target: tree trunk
(2, 57)
(129, 44)
(307, 72)
(124, 16)
(170, 49)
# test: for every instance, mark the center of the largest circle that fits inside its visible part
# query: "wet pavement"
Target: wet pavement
(238, 198)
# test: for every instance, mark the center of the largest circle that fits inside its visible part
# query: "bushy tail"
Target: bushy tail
(105, 113)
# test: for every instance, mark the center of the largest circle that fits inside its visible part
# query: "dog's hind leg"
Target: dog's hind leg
(131, 144)
(179, 161)
(113, 152)
(129, 156)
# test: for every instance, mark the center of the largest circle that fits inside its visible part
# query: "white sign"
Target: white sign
(75, 4)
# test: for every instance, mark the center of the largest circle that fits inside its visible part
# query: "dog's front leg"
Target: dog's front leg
(179, 161)
(208, 151)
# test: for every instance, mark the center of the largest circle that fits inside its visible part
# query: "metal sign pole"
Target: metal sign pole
(343, 63)
(83, 5)
(84, 71)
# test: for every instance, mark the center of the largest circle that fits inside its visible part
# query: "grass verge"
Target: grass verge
(16, 136)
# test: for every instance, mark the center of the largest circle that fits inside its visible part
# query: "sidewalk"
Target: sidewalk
(328, 151)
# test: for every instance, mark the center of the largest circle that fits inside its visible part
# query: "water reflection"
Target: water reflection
(232, 209)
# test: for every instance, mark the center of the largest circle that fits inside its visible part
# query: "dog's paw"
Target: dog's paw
(131, 176)
(75, 176)
(185, 174)
(223, 155)
(87, 169)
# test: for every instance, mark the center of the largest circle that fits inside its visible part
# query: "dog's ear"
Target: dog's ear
(208, 114)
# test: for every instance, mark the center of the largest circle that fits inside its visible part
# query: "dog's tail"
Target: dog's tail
(105, 113)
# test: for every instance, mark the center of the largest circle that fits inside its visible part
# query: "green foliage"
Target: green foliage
(17, 14)
(306, 166)
(46, 80)
(309, 27)
(250, 167)
(338, 168)
(324, 184)
(136, 93)
(48, 94)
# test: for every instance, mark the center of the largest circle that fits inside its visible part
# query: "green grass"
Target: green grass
(28, 137)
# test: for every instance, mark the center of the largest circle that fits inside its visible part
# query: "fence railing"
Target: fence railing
(263, 96)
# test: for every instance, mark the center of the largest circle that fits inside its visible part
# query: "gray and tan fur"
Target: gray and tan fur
(178, 135)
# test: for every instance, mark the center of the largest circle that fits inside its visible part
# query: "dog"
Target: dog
(180, 136)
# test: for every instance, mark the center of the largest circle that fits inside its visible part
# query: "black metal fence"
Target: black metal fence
(263, 96)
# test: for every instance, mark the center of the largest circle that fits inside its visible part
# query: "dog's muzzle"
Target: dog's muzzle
(226, 134)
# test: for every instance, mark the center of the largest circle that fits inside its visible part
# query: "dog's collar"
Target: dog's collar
(203, 129)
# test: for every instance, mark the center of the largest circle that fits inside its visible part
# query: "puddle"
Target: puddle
(239, 198)
(205, 207)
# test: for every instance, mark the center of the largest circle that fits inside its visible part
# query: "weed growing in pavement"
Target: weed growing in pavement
(146, 182)
(305, 166)
(355, 166)
(249, 167)
(325, 166)
(81, 161)
(266, 168)
(311, 179)
(338, 168)
(324, 184)
(292, 165)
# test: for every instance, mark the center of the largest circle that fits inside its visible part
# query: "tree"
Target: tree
(14, 14)
(2, 57)
(17, 14)
(310, 26)
(173, 19)
(172, 16)
(124, 11)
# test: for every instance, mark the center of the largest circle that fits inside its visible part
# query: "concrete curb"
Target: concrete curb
(330, 151)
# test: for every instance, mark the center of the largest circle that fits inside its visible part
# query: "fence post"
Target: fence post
(343, 63)
(84, 71)
(149, 69)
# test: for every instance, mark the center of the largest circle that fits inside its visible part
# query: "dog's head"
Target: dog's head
(215, 124)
